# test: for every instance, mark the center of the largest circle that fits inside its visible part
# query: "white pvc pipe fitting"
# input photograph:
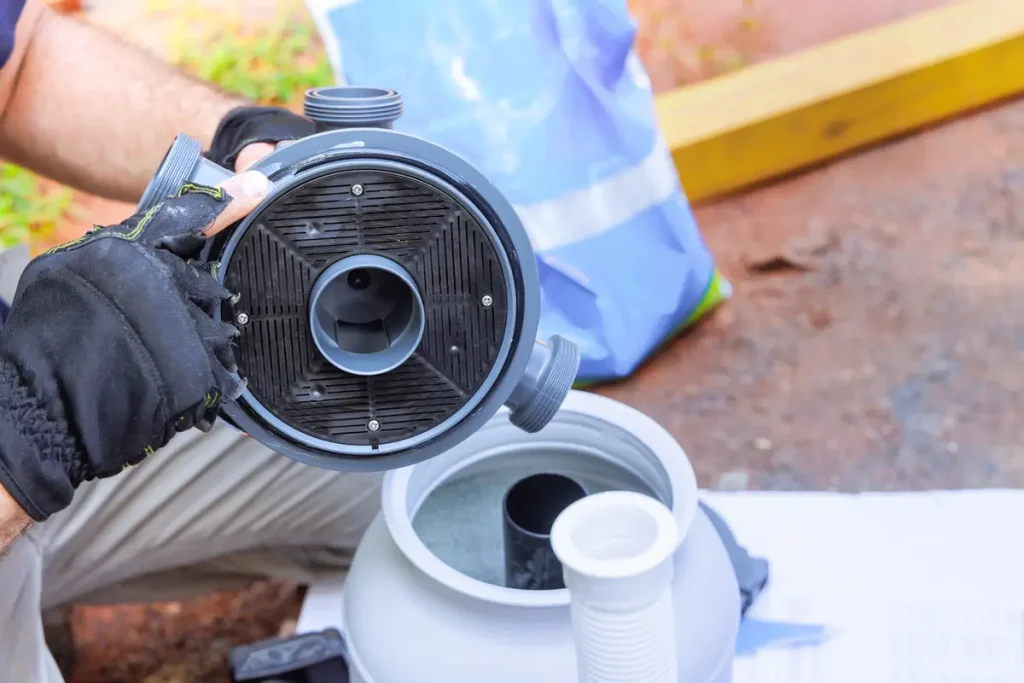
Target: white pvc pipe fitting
(616, 550)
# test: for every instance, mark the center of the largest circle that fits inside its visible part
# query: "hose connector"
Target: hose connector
(342, 106)
(184, 162)
(617, 552)
(549, 376)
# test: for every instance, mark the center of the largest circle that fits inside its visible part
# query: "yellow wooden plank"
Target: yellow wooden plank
(781, 116)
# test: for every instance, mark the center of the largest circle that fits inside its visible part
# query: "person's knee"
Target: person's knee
(24, 655)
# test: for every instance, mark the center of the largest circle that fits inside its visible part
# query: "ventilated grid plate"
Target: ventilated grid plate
(402, 218)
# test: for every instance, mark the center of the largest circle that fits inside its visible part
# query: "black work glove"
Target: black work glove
(246, 126)
(110, 349)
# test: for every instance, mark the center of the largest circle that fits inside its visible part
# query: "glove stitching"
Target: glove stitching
(130, 236)
(31, 420)
(192, 188)
(45, 452)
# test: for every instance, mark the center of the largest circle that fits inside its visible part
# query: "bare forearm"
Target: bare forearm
(13, 521)
(98, 114)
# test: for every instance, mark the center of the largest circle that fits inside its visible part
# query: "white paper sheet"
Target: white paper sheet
(321, 608)
(918, 587)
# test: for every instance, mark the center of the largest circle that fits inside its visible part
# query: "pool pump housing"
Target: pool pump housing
(388, 297)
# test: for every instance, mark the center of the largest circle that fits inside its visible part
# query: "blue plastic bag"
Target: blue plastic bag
(549, 100)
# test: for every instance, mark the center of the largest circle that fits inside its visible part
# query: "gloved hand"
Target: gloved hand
(246, 134)
(111, 348)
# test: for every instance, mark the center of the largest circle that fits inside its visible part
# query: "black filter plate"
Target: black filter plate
(424, 229)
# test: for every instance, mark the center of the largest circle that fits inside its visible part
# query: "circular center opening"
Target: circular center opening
(366, 311)
(534, 503)
(367, 315)
(615, 532)
(352, 92)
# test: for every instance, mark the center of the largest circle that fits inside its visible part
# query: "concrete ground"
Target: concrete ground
(877, 332)
(873, 341)
(687, 40)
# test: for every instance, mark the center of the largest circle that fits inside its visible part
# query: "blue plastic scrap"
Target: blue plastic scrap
(752, 576)
(755, 635)
(550, 101)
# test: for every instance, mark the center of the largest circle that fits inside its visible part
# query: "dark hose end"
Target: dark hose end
(530, 508)
(343, 106)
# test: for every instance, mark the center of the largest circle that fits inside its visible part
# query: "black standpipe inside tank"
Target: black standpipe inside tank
(530, 508)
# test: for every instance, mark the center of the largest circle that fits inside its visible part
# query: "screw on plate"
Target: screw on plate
(373, 425)
(487, 300)
(242, 318)
(357, 190)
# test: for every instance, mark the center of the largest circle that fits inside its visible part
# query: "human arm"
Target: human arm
(111, 347)
(13, 521)
(73, 95)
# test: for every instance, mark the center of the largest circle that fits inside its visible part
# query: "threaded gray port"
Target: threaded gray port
(352, 107)
(549, 388)
(174, 171)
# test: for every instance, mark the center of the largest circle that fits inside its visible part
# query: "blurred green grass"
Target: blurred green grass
(271, 62)
(30, 207)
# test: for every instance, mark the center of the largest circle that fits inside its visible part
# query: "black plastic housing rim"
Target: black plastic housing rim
(288, 163)
(367, 159)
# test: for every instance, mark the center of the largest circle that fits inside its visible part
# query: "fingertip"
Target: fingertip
(248, 184)
(246, 190)
(251, 154)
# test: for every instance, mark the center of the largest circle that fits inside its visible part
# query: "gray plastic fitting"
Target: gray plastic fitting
(362, 331)
(366, 314)
(345, 106)
(184, 162)
(329, 108)
(549, 376)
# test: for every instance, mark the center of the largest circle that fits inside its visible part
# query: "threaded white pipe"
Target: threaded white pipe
(616, 550)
